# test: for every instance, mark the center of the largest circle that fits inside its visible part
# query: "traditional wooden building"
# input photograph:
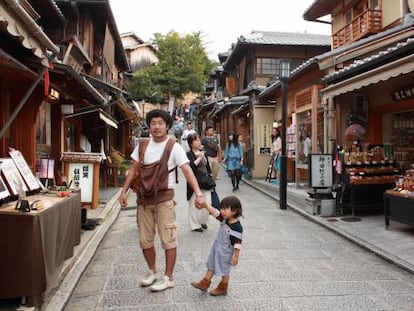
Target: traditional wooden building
(63, 68)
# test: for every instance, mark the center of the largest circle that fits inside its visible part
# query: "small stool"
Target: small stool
(110, 174)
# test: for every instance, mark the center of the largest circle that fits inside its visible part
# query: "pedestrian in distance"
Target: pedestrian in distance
(197, 218)
(276, 151)
(233, 157)
(187, 131)
(213, 150)
(225, 251)
(156, 210)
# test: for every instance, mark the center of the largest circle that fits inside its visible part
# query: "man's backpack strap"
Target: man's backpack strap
(143, 144)
(167, 151)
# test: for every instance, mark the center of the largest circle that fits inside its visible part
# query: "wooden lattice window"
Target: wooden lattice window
(304, 98)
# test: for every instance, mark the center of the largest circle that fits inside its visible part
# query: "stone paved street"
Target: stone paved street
(287, 263)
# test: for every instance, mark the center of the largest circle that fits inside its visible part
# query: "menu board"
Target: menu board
(11, 176)
(24, 169)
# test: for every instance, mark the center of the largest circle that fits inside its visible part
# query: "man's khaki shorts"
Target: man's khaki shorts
(161, 216)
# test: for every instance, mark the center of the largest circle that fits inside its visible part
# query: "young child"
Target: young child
(226, 248)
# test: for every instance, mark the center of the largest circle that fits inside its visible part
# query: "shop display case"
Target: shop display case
(365, 183)
(398, 206)
(399, 202)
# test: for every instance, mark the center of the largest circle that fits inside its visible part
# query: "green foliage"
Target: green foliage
(183, 67)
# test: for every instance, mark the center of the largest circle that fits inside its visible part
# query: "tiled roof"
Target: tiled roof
(285, 38)
(357, 64)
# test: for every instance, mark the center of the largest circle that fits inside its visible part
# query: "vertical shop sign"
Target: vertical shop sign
(82, 177)
(264, 138)
(321, 170)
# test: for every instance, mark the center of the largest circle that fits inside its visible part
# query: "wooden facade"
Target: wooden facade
(70, 82)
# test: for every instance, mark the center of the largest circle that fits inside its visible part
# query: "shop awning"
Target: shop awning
(105, 86)
(399, 67)
(67, 81)
(103, 115)
(107, 119)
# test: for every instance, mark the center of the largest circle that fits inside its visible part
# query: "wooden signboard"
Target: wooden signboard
(321, 170)
(11, 176)
(24, 169)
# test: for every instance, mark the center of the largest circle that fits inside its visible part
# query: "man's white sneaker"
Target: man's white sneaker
(162, 284)
(150, 278)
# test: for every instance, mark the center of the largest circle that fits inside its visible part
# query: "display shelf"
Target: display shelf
(291, 142)
(365, 184)
(398, 207)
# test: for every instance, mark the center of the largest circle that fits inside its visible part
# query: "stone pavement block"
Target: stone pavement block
(332, 288)
(83, 303)
(333, 303)
(133, 298)
(266, 290)
(393, 286)
(300, 264)
(251, 304)
(91, 286)
(122, 283)
(291, 275)
(398, 301)
(287, 254)
(358, 274)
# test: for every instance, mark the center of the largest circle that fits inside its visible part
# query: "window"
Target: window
(374, 4)
(267, 66)
(271, 66)
(348, 17)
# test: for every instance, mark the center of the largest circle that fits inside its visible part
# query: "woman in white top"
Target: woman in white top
(276, 150)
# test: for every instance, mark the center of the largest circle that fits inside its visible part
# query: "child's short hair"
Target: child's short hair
(233, 203)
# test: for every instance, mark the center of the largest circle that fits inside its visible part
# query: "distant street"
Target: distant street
(287, 263)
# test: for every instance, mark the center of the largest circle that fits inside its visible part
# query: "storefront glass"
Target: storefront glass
(402, 138)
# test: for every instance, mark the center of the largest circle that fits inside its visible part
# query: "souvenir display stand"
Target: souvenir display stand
(82, 171)
(35, 244)
(399, 202)
(366, 183)
(398, 207)
(368, 172)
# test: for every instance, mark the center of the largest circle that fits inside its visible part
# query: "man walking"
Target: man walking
(212, 149)
(189, 130)
(157, 210)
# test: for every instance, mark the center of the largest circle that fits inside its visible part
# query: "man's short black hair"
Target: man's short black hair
(159, 113)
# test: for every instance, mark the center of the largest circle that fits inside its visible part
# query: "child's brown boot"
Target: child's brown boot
(220, 290)
(202, 285)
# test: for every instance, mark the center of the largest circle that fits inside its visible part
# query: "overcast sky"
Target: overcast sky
(220, 22)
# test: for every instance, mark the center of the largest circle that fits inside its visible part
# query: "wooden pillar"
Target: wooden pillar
(95, 191)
